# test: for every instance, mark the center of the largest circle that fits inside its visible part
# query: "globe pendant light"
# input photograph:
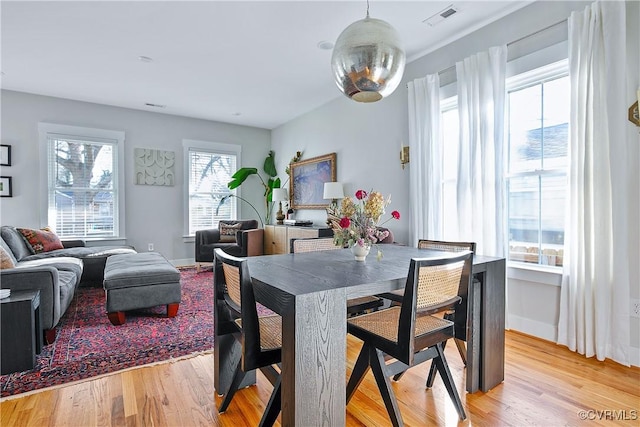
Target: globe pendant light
(368, 61)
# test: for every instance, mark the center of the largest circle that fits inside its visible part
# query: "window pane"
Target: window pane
(538, 158)
(82, 198)
(450, 139)
(552, 209)
(525, 123)
(555, 123)
(450, 143)
(209, 174)
(524, 219)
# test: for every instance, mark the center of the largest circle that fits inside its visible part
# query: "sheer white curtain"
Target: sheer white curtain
(594, 308)
(480, 186)
(425, 174)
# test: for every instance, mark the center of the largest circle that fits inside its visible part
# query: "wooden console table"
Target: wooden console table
(277, 238)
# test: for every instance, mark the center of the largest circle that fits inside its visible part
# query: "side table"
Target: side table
(20, 333)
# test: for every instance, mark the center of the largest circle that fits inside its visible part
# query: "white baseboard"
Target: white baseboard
(182, 262)
(534, 328)
(550, 333)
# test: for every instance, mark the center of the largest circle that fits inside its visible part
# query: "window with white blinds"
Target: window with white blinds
(208, 175)
(82, 186)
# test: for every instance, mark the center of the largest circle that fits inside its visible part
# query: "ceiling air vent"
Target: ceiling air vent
(447, 12)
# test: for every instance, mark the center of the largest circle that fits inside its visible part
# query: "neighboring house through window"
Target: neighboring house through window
(536, 144)
(209, 167)
(84, 185)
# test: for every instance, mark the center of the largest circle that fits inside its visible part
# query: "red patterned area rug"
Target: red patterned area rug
(88, 345)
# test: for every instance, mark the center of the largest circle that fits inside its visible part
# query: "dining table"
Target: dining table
(309, 291)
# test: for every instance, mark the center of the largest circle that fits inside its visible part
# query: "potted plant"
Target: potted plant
(272, 182)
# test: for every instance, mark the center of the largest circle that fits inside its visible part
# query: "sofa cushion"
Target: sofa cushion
(83, 252)
(67, 283)
(5, 260)
(15, 241)
(68, 264)
(43, 240)
(228, 231)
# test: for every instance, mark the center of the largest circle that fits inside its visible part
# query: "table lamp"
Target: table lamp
(280, 195)
(333, 191)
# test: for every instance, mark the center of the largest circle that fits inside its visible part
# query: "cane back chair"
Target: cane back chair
(406, 334)
(260, 336)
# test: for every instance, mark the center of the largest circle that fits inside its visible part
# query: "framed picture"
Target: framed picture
(306, 183)
(5, 155)
(5, 186)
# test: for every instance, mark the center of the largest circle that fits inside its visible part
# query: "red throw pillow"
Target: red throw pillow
(43, 240)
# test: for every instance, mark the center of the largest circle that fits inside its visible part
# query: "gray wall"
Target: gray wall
(153, 214)
(367, 139)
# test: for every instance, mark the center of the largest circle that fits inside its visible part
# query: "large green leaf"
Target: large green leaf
(270, 164)
(240, 176)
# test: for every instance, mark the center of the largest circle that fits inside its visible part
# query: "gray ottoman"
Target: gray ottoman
(140, 280)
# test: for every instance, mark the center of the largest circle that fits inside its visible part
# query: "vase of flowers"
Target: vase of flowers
(357, 224)
(360, 252)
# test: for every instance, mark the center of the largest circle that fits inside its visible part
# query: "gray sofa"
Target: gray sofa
(56, 274)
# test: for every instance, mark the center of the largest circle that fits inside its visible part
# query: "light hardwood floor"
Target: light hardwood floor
(545, 385)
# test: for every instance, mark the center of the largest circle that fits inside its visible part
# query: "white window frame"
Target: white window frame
(208, 147)
(521, 81)
(91, 134)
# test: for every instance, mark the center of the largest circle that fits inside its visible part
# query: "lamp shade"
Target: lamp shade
(279, 195)
(333, 190)
(368, 60)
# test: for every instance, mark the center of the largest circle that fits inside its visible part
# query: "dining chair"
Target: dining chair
(406, 334)
(354, 306)
(260, 336)
(396, 296)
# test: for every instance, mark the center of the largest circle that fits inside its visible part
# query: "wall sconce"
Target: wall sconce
(404, 155)
(634, 111)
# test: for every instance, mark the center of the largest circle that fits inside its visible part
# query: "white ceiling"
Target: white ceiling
(251, 63)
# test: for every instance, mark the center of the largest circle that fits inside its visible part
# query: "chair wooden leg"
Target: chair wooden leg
(445, 374)
(462, 349)
(397, 377)
(432, 369)
(272, 410)
(359, 371)
(376, 358)
(197, 267)
(238, 376)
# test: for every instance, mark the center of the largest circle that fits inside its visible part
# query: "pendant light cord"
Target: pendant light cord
(367, 8)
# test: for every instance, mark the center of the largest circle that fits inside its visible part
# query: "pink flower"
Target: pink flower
(395, 215)
(345, 222)
(361, 194)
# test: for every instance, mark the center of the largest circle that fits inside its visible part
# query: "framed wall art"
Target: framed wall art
(306, 183)
(5, 155)
(5, 186)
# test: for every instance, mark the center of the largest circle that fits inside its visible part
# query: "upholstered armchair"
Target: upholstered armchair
(239, 238)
